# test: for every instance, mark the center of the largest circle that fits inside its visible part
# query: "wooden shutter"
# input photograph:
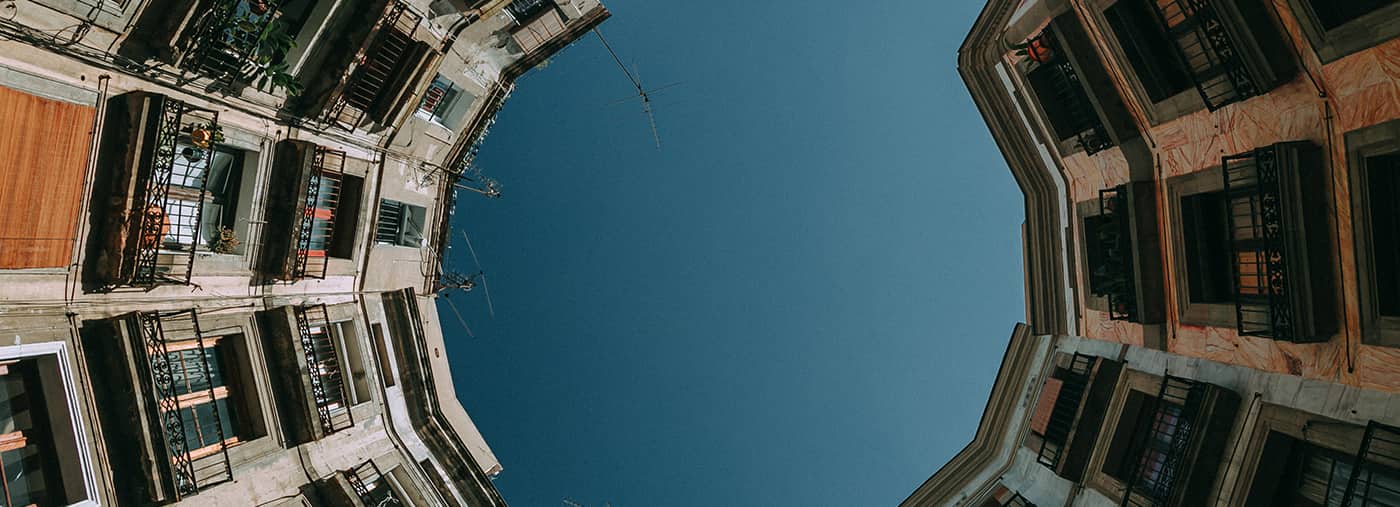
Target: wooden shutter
(44, 151)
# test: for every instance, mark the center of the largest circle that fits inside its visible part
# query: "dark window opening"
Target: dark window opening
(1147, 48)
(1383, 187)
(203, 196)
(1335, 13)
(346, 227)
(29, 463)
(1205, 230)
(1063, 99)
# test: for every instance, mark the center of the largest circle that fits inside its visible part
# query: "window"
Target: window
(1298, 473)
(1072, 92)
(1382, 185)
(203, 195)
(444, 103)
(1148, 49)
(1207, 248)
(1338, 28)
(29, 463)
(203, 395)
(400, 224)
(522, 10)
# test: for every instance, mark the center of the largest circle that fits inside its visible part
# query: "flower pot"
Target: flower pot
(201, 137)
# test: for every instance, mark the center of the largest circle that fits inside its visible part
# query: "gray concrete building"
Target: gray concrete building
(223, 244)
(1207, 255)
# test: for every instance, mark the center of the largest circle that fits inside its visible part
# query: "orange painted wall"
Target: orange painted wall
(1362, 89)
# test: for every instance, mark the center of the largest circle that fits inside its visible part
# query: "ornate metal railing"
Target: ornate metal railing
(1115, 278)
(371, 486)
(1068, 90)
(1066, 411)
(1204, 43)
(156, 261)
(1161, 445)
(227, 37)
(1375, 471)
(375, 67)
(328, 389)
(1259, 250)
(189, 475)
(317, 228)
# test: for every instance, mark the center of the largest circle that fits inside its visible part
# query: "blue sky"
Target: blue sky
(802, 299)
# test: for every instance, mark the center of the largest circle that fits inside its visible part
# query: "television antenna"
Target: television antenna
(642, 92)
(466, 283)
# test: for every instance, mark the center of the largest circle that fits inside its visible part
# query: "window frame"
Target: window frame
(1362, 144)
(1368, 31)
(1177, 188)
(406, 211)
(1181, 104)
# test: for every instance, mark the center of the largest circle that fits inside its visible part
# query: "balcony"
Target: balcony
(1064, 98)
(328, 390)
(1123, 261)
(307, 188)
(380, 80)
(229, 39)
(151, 227)
(1230, 48)
(1372, 481)
(1069, 413)
(1177, 439)
(371, 486)
(1276, 217)
(1071, 390)
(304, 354)
(186, 385)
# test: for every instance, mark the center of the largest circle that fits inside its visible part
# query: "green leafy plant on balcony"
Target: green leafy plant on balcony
(267, 69)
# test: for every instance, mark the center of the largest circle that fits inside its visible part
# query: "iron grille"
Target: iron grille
(1255, 214)
(1373, 473)
(189, 475)
(226, 38)
(1066, 411)
(328, 388)
(1115, 278)
(371, 486)
(162, 218)
(375, 67)
(1161, 445)
(391, 216)
(1067, 90)
(1202, 41)
(316, 231)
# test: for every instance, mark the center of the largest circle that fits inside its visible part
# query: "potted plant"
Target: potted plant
(226, 242)
(205, 135)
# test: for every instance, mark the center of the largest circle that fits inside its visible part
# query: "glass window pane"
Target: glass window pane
(24, 475)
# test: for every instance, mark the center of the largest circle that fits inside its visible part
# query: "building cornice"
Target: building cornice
(990, 450)
(1047, 303)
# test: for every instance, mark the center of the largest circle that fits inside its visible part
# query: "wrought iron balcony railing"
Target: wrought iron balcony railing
(371, 486)
(1161, 446)
(1066, 411)
(166, 227)
(228, 36)
(328, 389)
(1374, 473)
(319, 209)
(1114, 278)
(1212, 56)
(190, 473)
(1273, 234)
(1068, 91)
(375, 70)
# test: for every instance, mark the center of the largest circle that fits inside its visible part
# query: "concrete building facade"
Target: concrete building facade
(1210, 245)
(223, 244)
